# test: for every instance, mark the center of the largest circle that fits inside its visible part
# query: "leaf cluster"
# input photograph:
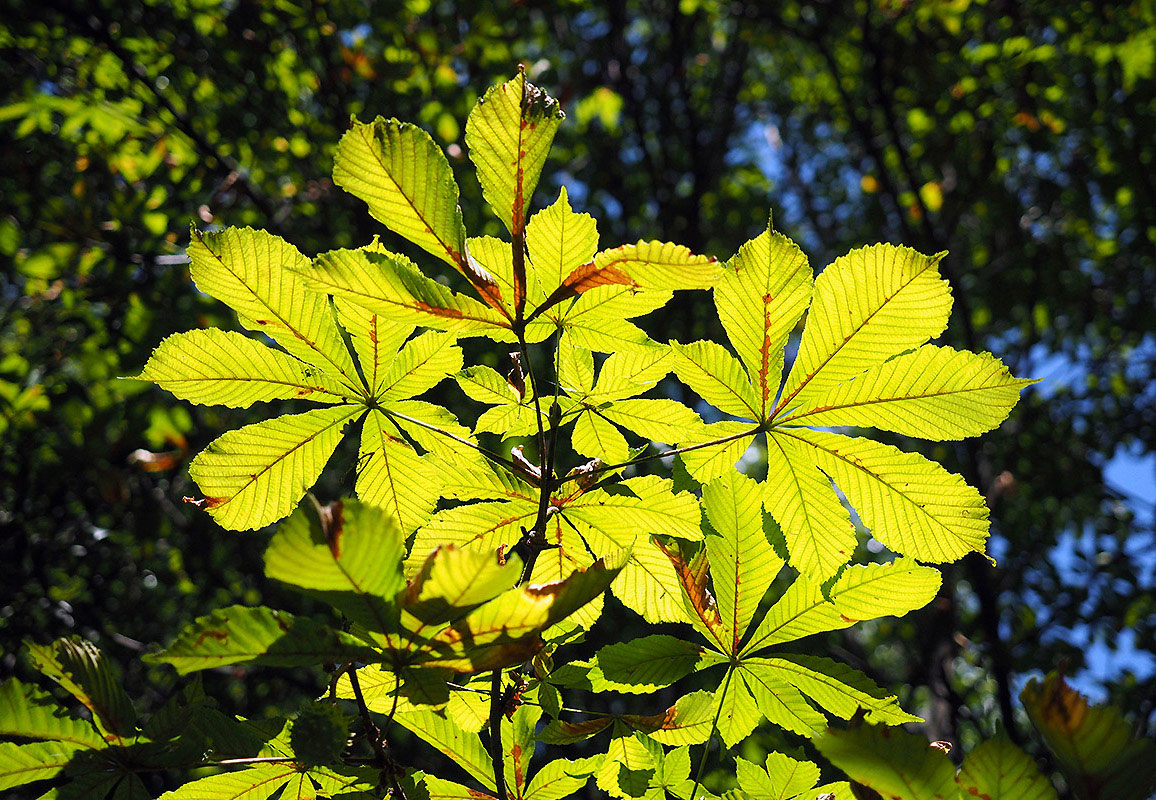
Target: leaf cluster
(458, 560)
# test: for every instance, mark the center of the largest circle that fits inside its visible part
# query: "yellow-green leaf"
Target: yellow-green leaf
(420, 365)
(861, 592)
(763, 292)
(871, 304)
(660, 265)
(391, 475)
(81, 670)
(834, 687)
(781, 779)
(559, 241)
(240, 634)
(463, 747)
(255, 475)
(910, 504)
(707, 460)
(28, 711)
(352, 560)
(38, 761)
(641, 666)
(655, 420)
(931, 393)
(508, 134)
(215, 367)
(999, 770)
(717, 377)
(596, 437)
(390, 285)
(743, 564)
(630, 372)
(376, 339)
(406, 181)
(817, 528)
(779, 701)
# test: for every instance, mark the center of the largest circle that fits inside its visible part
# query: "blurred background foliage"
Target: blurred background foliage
(1018, 135)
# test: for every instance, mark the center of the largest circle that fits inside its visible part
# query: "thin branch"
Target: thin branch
(496, 757)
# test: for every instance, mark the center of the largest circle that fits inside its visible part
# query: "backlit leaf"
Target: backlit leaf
(910, 504)
(1094, 745)
(817, 528)
(26, 763)
(463, 747)
(392, 286)
(559, 241)
(508, 135)
(353, 561)
(871, 304)
(215, 367)
(255, 475)
(931, 393)
(743, 564)
(891, 761)
(717, 377)
(762, 294)
(642, 665)
(80, 668)
(781, 779)
(391, 475)
(999, 770)
(406, 181)
(30, 712)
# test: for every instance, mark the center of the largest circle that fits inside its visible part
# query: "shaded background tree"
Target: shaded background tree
(1017, 135)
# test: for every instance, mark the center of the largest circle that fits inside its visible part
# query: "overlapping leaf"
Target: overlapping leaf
(256, 474)
(853, 368)
(581, 524)
(599, 409)
(783, 688)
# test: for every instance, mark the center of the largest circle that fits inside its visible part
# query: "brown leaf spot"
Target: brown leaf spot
(205, 502)
(215, 634)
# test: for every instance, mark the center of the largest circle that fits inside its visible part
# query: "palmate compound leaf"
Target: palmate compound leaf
(869, 308)
(782, 777)
(785, 689)
(255, 475)
(599, 409)
(582, 525)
